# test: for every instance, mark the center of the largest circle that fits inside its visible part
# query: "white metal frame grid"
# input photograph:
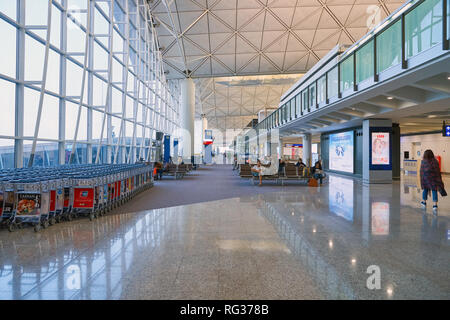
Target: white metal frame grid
(153, 96)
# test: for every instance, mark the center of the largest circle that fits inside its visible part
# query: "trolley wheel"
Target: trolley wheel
(58, 219)
(52, 221)
(91, 216)
(45, 224)
(11, 227)
(69, 217)
(37, 228)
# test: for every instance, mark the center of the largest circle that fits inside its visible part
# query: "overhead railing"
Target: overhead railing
(414, 34)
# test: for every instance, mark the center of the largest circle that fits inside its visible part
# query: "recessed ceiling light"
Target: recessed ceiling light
(390, 98)
(432, 116)
(448, 78)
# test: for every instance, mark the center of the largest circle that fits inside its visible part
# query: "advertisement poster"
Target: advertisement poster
(52, 200)
(380, 148)
(45, 202)
(380, 218)
(341, 151)
(97, 195)
(83, 198)
(59, 200)
(105, 192)
(341, 197)
(66, 197)
(28, 204)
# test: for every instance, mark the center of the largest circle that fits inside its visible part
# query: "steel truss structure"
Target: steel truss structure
(108, 51)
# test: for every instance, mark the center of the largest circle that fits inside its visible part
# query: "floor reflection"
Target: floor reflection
(314, 243)
(79, 261)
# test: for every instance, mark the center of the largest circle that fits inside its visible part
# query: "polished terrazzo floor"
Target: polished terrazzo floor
(312, 243)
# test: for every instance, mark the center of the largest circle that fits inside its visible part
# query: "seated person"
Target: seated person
(317, 171)
(257, 171)
(159, 170)
(300, 163)
(235, 163)
(281, 165)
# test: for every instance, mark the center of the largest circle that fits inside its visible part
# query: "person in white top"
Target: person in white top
(257, 171)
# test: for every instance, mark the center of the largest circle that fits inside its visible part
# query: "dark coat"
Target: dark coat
(430, 175)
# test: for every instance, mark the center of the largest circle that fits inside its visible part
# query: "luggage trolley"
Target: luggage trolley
(99, 201)
(59, 199)
(31, 204)
(53, 184)
(105, 200)
(7, 215)
(67, 195)
(83, 200)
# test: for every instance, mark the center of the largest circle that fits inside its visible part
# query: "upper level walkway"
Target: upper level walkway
(401, 67)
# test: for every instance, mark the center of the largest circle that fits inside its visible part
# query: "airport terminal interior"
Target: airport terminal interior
(224, 149)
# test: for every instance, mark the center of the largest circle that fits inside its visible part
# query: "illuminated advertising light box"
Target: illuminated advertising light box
(341, 197)
(341, 151)
(380, 149)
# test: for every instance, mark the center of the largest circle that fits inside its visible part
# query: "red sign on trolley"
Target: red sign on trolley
(83, 198)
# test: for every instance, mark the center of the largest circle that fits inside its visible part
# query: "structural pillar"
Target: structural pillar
(377, 151)
(307, 146)
(396, 151)
(187, 118)
(204, 127)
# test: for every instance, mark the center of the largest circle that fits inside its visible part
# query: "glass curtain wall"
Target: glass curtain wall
(82, 83)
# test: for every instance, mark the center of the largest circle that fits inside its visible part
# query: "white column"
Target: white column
(307, 158)
(369, 174)
(187, 118)
(204, 127)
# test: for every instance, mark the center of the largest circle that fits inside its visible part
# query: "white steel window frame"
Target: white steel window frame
(153, 95)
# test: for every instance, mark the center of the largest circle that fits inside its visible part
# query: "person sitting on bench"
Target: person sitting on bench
(317, 171)
(300, 163)
(235, 163)
(257, 171)
(281, 165)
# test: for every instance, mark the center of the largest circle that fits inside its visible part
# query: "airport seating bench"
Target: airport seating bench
(290, 173)
(177, 171)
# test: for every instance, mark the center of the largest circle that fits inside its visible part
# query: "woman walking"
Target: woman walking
(430, 179)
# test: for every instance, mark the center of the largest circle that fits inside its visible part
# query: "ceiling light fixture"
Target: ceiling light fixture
(390, 98)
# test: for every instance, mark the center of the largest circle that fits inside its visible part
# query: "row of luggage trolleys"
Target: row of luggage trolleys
(45, 196)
